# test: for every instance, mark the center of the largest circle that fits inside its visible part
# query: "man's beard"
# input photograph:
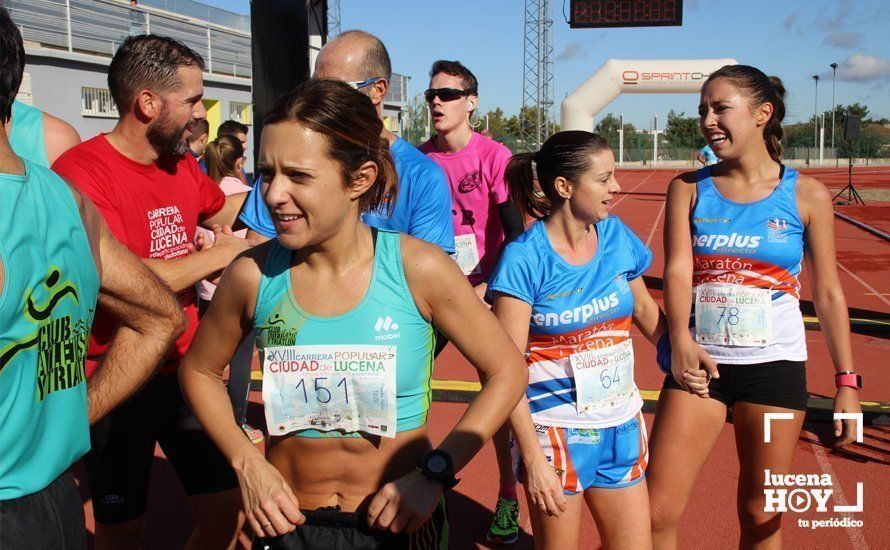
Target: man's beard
(167, 139)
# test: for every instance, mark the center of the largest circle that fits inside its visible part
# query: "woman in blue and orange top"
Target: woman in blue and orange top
(343, 316)
(567, 291)
(735, 236)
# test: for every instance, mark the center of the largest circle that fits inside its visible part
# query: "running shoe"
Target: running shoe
(505, 526)
(253, 434)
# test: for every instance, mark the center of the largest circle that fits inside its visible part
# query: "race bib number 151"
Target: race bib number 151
(349, 388)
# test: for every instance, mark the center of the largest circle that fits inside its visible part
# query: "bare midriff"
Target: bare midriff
(345, 472)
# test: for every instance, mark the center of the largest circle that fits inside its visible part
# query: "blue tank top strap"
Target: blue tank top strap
(26, 134)
(272, 284)
(788, 185)
(388, 260)
(703, 181)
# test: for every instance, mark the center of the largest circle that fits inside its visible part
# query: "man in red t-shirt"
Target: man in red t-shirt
(153, 197)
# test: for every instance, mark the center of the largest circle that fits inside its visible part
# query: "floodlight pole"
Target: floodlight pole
(816, 113)
(833, 75)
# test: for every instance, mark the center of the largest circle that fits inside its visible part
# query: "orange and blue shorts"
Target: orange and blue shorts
(607, 458)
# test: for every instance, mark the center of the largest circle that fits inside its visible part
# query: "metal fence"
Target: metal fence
(99, 27)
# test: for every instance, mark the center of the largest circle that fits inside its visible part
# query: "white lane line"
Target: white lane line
(840, 498)
(627, 193)
(655, 225)
(863, 283)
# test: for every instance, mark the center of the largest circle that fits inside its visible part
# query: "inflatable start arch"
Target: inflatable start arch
(617, 76)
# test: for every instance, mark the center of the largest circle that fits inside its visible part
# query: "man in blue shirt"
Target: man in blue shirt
(423, 204)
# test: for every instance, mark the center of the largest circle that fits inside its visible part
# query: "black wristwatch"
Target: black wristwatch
(437, 466)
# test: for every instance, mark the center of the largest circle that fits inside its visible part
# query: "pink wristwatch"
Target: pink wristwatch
(849, 379)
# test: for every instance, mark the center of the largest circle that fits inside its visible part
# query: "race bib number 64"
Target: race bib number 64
(604, 378)
(349, 388)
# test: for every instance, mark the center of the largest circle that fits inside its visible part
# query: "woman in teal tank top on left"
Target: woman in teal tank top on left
(343, 316)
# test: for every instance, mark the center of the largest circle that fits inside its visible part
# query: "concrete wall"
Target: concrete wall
(57, 78)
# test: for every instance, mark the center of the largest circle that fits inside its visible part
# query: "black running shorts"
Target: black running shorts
(335, 530)
(51, 518)
(119, 465)
(777, 384)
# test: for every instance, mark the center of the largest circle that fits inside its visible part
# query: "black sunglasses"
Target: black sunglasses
(447, 94)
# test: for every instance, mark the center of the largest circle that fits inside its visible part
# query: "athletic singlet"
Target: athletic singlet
(26, 135)
(387, 315)
(575, 309)
(755, 245)
(46, 309)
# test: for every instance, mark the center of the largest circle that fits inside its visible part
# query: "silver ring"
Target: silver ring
(266, 525)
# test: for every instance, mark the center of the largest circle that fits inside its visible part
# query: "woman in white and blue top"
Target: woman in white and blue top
(567, 291)
(736, 234)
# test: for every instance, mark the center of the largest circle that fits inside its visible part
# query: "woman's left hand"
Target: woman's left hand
(405, 504)
(846, 400)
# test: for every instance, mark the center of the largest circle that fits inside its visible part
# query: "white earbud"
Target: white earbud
(470, 107)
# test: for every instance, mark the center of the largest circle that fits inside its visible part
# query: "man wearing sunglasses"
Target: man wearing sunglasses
(484, 221)
(423, 203)
(484, 218)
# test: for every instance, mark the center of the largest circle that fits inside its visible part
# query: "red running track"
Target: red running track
(710, 520)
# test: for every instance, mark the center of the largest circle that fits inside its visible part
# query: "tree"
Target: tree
(526, 122)
(682, 132)
(608, 128)
(415, 129)
(497, 123)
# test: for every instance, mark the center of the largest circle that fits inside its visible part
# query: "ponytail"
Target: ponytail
(520, 179)
(220, 157)
(773, 132)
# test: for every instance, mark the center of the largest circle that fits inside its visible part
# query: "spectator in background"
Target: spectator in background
(224, 157)
(197, 142)
(423, 203)
(239, 130)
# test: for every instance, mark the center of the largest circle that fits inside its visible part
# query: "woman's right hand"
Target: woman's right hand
(544, 487)
(692, 367)
(271, 506)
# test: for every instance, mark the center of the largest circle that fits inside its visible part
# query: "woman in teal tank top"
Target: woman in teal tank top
(343, 316)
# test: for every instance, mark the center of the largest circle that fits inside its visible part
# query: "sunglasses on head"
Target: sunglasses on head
(447, 94)
(363, 83)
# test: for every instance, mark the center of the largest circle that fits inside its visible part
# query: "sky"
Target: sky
(791, 39)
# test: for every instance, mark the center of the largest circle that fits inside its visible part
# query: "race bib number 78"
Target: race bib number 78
(732, 315)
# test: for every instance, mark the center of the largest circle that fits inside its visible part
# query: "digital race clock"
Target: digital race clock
(625, 13)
